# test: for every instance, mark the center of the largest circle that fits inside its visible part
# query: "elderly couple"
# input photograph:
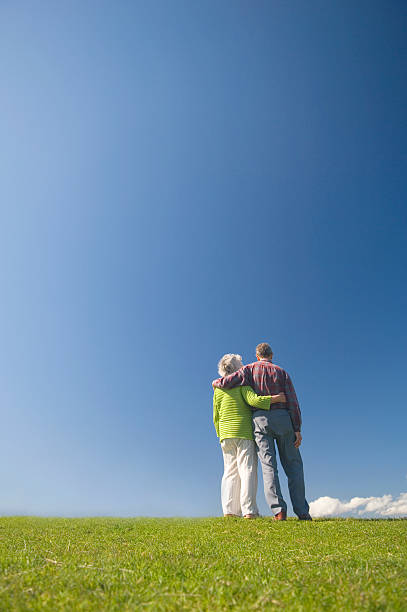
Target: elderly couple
(267, 390)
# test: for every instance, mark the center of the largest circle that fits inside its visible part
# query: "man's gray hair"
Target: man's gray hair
(264, 350)
(229, 364)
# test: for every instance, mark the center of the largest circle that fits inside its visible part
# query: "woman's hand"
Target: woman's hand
(278, 399)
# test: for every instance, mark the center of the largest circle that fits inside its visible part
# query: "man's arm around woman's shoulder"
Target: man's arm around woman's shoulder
(239, 378)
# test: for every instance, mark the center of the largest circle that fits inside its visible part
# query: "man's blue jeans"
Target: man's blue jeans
(275, 427)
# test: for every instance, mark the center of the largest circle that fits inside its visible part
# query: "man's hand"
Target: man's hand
(298, 439)
(278, 399)
(213, 382)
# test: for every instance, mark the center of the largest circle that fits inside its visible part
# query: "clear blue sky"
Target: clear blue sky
(180, 180)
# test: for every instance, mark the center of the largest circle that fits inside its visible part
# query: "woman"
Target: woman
(232, 418)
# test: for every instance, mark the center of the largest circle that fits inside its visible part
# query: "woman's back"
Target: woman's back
(233, 414)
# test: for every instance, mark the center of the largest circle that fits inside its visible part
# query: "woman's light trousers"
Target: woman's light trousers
(239, 482)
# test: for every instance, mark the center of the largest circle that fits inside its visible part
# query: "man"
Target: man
(280, 424)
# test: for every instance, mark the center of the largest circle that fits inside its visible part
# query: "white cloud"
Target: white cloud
(398, 507)
(360, 506)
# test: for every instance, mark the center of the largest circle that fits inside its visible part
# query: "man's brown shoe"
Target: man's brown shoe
(305, 517)
(281, 516)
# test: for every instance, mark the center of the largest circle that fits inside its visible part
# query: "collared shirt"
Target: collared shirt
(266, 378)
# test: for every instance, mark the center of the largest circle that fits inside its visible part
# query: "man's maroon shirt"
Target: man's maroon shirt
(265, 378)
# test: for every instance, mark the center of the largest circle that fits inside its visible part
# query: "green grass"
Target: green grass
(202, 564)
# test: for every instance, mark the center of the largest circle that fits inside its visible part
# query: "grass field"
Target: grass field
(202, 564)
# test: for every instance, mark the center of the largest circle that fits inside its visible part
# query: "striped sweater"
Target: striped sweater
(232, 415)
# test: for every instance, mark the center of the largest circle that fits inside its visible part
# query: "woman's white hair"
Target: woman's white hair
(229, 364)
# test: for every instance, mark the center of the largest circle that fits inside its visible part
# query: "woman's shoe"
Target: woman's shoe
(251, 516)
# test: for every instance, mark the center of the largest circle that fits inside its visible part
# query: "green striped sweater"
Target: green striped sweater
(232, 416)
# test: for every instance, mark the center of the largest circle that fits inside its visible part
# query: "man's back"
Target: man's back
(266, 378)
